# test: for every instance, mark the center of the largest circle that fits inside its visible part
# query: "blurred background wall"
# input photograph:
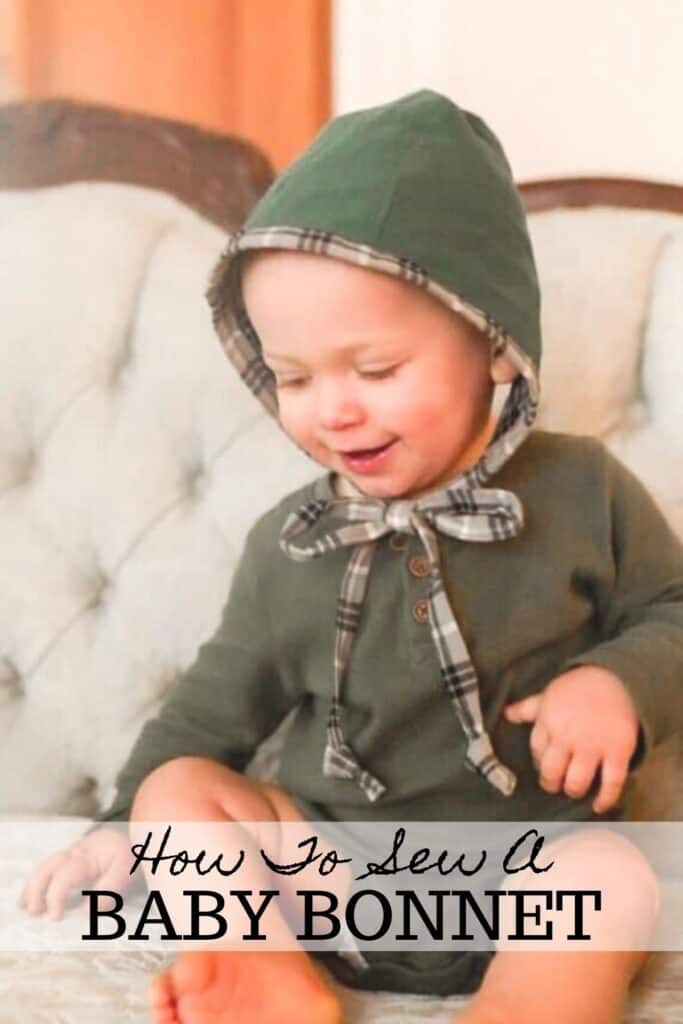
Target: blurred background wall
(8, 85)
(583, 88)
(258, 68)
(587, 87)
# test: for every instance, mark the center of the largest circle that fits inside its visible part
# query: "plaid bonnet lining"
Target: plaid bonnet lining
(463, 508)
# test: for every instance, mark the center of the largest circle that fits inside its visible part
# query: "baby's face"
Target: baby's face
(376, 379)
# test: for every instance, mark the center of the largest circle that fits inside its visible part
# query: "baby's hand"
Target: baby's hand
(584, 720)
(103, 857)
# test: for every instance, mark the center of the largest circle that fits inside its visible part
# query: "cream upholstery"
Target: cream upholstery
(612, 288)
(132, 461)
(128, 457)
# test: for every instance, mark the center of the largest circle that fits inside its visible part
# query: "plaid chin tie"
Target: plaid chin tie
(469, 514)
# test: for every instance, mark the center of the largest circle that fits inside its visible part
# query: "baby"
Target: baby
(473, 621)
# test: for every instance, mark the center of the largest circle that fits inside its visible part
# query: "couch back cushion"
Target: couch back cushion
(612, 321)
(128, 449)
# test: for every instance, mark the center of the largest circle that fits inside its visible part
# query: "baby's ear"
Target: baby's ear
(502, 371)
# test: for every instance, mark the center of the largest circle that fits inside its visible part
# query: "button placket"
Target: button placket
(418, 566)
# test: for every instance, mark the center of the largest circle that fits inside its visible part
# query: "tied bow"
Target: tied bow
(467, 513)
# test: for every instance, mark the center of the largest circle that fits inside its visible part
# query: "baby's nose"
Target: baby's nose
(337, 407)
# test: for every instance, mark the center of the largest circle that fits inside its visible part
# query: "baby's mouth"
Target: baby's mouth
(365, 458)
(356, 452)
(367, 451)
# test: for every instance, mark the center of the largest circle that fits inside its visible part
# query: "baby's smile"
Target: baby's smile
(376, 379)
(369, 460)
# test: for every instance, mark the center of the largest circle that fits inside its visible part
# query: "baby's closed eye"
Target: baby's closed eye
(377, 373)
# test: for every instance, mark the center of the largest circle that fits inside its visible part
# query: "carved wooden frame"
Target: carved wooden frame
(52, 142)
(621, 192)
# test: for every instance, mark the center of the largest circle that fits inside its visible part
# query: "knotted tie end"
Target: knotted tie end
(481, 759)
(339, 762)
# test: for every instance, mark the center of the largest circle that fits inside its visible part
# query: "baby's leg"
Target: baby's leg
(222, 983)
(541, 985)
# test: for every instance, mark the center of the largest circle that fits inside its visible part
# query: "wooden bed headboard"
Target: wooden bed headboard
(625, 192)
(52, 142)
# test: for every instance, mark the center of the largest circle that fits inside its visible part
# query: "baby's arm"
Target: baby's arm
(626, 691)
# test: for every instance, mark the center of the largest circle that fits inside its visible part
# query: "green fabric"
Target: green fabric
(426, 973)
(595, 577)
(425, 180)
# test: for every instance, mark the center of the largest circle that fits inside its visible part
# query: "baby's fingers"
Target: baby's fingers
(580, 774)
(539, 739)
(63, 882)
(116, 878)
(525, 710)
(32, 897)
(613, 776)
(553, 766)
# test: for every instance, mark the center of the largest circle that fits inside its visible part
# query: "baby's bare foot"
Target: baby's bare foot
(162, 1000)
(485, 1013)
(234, 987)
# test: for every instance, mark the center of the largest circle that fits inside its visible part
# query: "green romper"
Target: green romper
(548, 554)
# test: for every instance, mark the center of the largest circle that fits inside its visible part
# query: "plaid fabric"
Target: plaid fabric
(464, 509)
(467, 513)
(243, 348)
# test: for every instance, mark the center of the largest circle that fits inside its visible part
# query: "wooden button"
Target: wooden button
(421, 610)
(398, 541)
(419, 566)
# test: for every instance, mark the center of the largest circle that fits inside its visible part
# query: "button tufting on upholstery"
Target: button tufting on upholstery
(10, 678)
(124, 374)
(100, 586)
(122, 369)
(25, 467)
(196, 481)
(82, 798)
(86, 788)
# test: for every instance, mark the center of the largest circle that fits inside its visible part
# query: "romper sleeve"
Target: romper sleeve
(225, 703)
(640, 601)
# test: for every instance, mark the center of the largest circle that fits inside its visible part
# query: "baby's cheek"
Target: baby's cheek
(296, 425)
(422, 417)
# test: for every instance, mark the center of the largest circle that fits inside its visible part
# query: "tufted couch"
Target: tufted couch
(132, 462)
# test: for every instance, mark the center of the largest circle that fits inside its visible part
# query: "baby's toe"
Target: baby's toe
(162, 1001)
(194, 972)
